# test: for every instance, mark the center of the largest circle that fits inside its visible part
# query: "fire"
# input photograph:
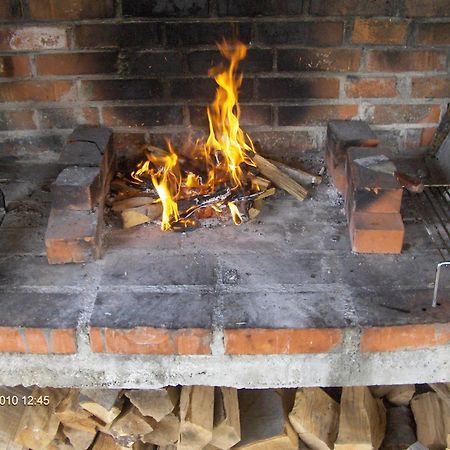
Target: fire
(215, 165)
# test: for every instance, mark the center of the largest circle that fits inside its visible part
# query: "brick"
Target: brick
(337, 173)
(142, 116)
(380, 31)
(430, 87)
(390, 114)
(77, 188)
(128, 146)
(376, 232)
(157, 341)
(397, 338)
(427, 135)
(100, 136)
(251, 115)
(315, 114)
(11, 341)
(433, 33)
(304, 33)
(17, 120)
(281, 341)
(257, 60)
(14, 66)
(123, 35)
(77, 63)
(198, 33)
(11, 10)
(319, 60)
(427, 8)
(97, 339)
(121, 89)
(32, 148)
(63, 341)
(44, 91)
(33, 38)
(36, 341)
(294, 88)
(74, 236)
(73, 10)
(65, 118)
(162, 8)
(363, 87)
(405, 60)
(149, 63)
(353, 8)
(84, 154)
(370, 190)
(204, 89)
(238, 8)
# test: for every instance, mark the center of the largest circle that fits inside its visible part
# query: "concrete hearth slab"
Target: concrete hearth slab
(280, 301)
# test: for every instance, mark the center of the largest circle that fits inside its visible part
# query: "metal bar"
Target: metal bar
(436, 281)
(442, 223)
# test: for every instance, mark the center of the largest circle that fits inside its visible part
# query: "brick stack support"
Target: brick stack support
(140, 67)
(75, 226)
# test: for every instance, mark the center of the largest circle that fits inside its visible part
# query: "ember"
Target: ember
(214, 176)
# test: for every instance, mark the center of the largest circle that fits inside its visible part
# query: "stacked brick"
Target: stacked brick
(75, 226)
(365, 175)
(141, 67)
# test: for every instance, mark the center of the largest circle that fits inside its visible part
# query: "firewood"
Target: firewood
(165, 432)
(267, 193)
(105, 404)
(39, 424)
(196, 415)
(142, 446)
(11, 415)
(417, 446)
(136, 216)
(443, 391)
(106, 442)
(429, 413)
(255, 209)
(61, 442)
(315, 417)
(362, 422)
(261, 183)
(80, 439)
(132, 202)
(299, 175)
(264, 422)
(400, 432)
(227, 427)
(130, 427)
(156, 403)
(122, 186)
(279, 178)
(72, 415)
(400, 395)
(157, 151)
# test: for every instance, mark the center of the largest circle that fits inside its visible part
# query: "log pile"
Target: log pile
(138, 203)
(202, 417)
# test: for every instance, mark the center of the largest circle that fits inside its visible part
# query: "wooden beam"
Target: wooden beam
(156, 403)
(196, 415)
(280, 179)
(315, 417)
(227, 427)
(362, 422)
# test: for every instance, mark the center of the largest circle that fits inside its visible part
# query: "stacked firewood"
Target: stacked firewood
(202, 417)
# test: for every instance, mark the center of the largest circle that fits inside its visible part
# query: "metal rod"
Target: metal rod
(436, 281)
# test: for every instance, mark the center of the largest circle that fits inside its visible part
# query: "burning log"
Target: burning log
(142, 214)
(132, 202)
(280, 179)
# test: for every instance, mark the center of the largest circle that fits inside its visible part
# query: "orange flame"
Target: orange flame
(221, 157)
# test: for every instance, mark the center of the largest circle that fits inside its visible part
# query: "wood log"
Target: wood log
(255, 209)
(315, 417)
(39, 424)
(417, 446)
(165, 432)
(267, 193)
(11, 415)
(105, 404)
(156, 403)
(143, 214)
(400, 433)
(130, 427)
(72, 415)
(106, 442)
(227, 426)
(264, 422)
(80, 439)
(61, 442)
(132, 202)
(280, 179)
(196, 415)
(362, 422)
(443, 391)
(299, 175)
(429, 414)
(142, 446)
(399, 395)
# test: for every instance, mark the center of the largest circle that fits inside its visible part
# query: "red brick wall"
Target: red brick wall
(140, 67)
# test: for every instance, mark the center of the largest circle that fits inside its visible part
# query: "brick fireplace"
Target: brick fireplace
(278, 301)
